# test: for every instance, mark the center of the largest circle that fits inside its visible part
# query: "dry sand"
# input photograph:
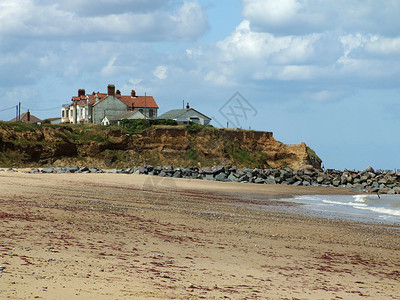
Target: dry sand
(107, 236)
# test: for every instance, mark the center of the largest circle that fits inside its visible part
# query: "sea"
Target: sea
(368, 208)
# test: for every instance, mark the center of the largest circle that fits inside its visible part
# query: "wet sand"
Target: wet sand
(107, 236)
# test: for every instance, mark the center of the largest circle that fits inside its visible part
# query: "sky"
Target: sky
(323, 72)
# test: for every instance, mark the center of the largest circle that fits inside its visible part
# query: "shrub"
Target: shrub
(142, 124)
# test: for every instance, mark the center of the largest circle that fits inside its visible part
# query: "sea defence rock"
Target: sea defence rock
(369, 180)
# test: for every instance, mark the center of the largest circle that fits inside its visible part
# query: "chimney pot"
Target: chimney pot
(81, 92)
(133, 94)
(111, 89)
(187, 105)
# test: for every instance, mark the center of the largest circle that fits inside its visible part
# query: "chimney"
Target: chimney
(111, 90)
(28, 115)
(187, 105)
(133, 94)
(81, 92)
(118, 92)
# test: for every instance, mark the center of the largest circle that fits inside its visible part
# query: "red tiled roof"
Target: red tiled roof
(24, 118)
(139, 101)
(92, 99)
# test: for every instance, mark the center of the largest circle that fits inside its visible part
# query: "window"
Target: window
(62, 113)
(151, 113)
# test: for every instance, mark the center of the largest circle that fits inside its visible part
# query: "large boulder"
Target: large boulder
(220, 177)
(369, 169)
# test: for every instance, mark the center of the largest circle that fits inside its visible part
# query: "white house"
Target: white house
(184, 116)
(94, 107)
(130, 115)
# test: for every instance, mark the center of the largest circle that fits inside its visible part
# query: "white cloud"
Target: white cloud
(106, 7)
(295, 73)
(30, 18)
(245, 43)
(270, 11)
(286, 17)
(160, 72)
(218, 79)
(384, 46)
(109, 69)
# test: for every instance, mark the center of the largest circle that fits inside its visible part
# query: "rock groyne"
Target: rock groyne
(369, 180)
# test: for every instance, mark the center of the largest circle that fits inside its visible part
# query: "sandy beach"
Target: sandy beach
(107, 236)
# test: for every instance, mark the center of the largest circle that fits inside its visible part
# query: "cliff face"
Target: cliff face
(175, 146)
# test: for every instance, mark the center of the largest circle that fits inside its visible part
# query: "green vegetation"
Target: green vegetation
(19, 126)
(193, 127)
(313, 156)
(135, 126)
(192, 154)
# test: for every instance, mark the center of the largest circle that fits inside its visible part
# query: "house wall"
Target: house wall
(136, 116)
(109, 106)
(148, 112)
(192, 114)
(57, 121)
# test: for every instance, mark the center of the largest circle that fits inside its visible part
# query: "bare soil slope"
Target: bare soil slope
(29, 145)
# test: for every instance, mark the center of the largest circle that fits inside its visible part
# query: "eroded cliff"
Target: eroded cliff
(29, 145)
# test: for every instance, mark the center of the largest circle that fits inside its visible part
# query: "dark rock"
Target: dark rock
(209, 177)
(259, 180)
(321, 178)
(221, 177)
(233, 169)
(163, 173)
(270, 180)
(47, 170)
(290, 180)
(217, 169)
(177, 174)
(369, 169)
(129, 171)
(233, 178)
(84, 169)
(140, 170)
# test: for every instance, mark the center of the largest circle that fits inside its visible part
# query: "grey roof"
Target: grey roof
(172, 114)
(121, 116)
(176, 113)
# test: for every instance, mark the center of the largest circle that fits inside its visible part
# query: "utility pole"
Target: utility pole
(183, 104)
(19, 111)
(16, 113)
(145, 104)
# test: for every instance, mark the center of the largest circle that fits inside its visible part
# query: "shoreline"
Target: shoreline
(102, 236)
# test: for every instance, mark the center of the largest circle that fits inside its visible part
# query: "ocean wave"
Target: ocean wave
(382, 210)
(361, 198)
(354, 204)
